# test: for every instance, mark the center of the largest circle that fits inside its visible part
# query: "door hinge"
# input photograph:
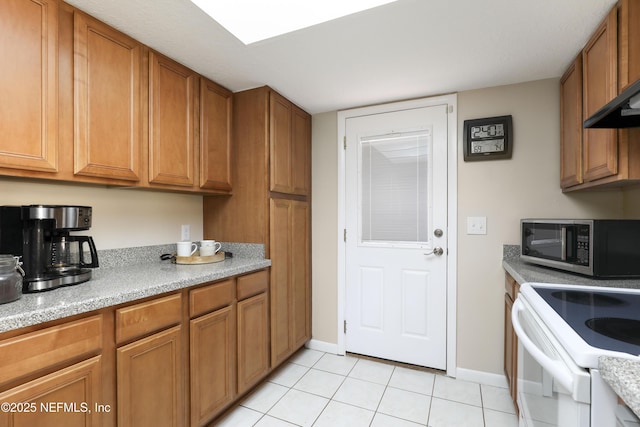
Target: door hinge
(450, 109)
(345, 326)
(344, 235)
(344, 142)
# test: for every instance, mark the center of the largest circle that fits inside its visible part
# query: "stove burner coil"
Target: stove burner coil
(587, 298)
(627, 330)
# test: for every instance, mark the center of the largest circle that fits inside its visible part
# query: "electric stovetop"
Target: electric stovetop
(604, 319)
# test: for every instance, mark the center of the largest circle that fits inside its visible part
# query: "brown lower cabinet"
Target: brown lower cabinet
(36, 403)
(173, 360)
(253, 329)
(150, 377)
(213, 349)
(510, 339)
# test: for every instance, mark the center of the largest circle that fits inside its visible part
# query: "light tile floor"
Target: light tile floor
(322, 389)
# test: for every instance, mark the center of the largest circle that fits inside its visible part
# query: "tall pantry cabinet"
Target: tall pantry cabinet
(270, 205)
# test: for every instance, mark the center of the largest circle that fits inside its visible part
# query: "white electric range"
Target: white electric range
(562, 331)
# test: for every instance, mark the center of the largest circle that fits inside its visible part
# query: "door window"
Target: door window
(395, 196)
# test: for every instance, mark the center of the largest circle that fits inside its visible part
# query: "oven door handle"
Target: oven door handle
(554, 367)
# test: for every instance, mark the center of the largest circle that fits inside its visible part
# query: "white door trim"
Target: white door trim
(452, 211)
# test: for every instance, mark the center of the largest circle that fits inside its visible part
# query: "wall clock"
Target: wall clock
(488, 139)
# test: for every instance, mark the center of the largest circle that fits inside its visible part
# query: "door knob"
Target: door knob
(438, 251)
(438, 232)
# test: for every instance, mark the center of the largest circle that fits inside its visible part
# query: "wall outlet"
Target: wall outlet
(476, 225)
(185, 232)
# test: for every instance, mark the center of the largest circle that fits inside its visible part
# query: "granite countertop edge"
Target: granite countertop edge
(112, 286)
(622, 375)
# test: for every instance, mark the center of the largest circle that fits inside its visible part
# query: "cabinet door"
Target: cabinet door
(107, 101)
(78, 386)
(600, 59)
(280, 144)
(290, 286)
(571, 125)
(253, 341)
(301, 146)
(213, 354)
(150, 381)
(281, 300)
(215, 136)
(509, 355)
(300, 274)
(171, 133)
(629, 43)
(29, 85)
(510, 339)
(290, 147)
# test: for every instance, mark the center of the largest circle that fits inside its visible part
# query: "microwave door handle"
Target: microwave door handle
(563, 246)
(556, 369)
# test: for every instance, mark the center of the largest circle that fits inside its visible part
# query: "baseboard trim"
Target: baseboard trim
(327, 347)
(486, 378)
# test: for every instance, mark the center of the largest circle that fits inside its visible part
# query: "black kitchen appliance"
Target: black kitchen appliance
(621, 112)
(598, 248)
(41, 235)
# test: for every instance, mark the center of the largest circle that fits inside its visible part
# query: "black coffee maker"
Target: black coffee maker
(40, 234)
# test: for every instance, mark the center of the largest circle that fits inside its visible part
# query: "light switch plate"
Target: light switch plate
(476, 225)
(185, 232)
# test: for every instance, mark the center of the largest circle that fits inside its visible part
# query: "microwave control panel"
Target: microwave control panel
(582, 243)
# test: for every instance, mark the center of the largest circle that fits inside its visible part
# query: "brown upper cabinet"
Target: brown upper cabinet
(290, 130)
(571, 125)
(600, 85)
(608, 63)
(172, 92)
(29, 86)
(629, 44)
(91, 104)
(107, 101)
(216, 109)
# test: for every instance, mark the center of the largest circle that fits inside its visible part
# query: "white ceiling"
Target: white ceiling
(406, 49)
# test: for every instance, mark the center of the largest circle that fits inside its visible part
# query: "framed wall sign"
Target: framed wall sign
(488, 139)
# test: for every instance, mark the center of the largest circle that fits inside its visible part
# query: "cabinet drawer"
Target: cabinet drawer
(39, 350)
(252, 284)
(147, 317)
(212, 297)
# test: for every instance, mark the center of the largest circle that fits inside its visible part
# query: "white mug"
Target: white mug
(186, 248)
(209, 247)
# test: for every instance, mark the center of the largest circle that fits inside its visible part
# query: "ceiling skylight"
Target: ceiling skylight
(255, 20)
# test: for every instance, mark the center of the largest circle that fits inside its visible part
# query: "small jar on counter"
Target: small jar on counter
(10, 278)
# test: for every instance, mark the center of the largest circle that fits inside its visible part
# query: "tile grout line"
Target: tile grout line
(311, 365)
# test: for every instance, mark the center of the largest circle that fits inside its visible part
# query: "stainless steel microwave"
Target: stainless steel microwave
(598, 248)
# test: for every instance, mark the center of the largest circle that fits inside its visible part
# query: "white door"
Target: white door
(396, 235)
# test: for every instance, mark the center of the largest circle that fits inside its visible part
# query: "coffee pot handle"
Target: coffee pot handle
(92, 250)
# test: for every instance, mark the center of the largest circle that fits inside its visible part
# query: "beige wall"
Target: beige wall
(324, 226)
(503, 190)
(632, 203)
(121, 217)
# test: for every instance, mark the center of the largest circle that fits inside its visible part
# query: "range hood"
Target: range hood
(622, 112)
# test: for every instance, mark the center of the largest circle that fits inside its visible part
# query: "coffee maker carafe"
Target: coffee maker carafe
(51, 256)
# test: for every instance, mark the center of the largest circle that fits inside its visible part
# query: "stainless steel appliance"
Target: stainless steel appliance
(562, 331)
(51, 256)
(598, 248)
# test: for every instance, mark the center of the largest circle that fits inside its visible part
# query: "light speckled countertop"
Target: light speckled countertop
(121, 282)
(622, 375)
